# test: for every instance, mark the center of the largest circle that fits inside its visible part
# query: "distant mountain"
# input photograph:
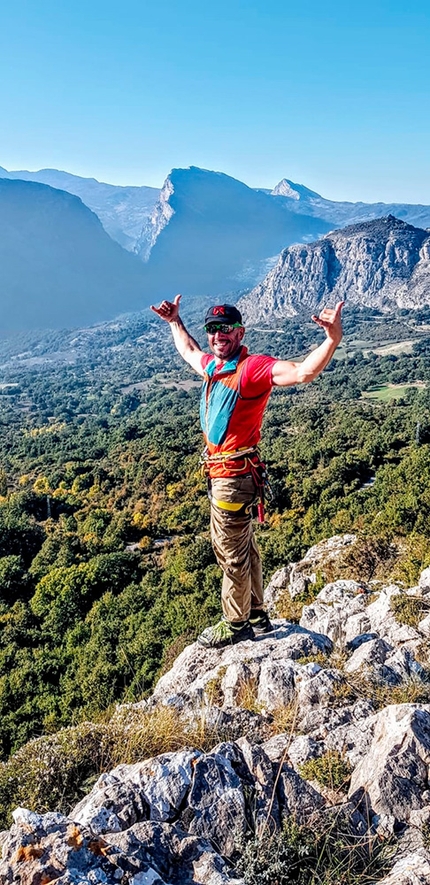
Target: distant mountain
(131, 215)
(205, 233)
(383, 263)
(307, 202)
(123, 211)
(210, 233)
(58, 266)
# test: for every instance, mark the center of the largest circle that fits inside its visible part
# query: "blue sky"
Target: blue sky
(334, 95)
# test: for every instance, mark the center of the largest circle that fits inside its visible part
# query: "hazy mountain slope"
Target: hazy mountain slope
(123, 211)
(58, 267)
(307, 202)
(211, 233)
(382, 263)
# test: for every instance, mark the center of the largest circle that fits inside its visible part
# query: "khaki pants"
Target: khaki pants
(235, 547)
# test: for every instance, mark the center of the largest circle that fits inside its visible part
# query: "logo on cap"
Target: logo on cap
(217, 311)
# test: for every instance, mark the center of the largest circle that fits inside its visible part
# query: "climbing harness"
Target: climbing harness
(251, 463)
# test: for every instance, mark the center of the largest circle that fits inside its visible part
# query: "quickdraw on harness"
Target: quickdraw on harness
(250, 463)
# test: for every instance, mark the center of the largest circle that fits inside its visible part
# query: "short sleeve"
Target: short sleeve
(206, 358)
(256, 378)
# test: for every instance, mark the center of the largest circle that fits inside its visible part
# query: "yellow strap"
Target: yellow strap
(228, 505)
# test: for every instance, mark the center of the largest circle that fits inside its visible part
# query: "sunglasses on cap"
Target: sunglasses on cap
(225, 328)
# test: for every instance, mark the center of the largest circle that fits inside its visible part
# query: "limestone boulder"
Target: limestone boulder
(369, 656)
(424, 582)
(392, 778)
(383, 621)
(263, 807)
(215, 807)
(303, 748)
(278, 582)
(297, 798)
(414, 869)
(276, 687)
(297, 577)
(339, 612)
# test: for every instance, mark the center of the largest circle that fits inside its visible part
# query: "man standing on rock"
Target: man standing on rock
(236, 388)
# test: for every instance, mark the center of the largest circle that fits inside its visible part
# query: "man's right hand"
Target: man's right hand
(168, 310)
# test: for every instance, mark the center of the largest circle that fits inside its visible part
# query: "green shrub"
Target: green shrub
(331, 770)
(302, 855)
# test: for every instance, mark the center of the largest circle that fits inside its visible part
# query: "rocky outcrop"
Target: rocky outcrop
(382, 264)
(184, 816)
(157, 221)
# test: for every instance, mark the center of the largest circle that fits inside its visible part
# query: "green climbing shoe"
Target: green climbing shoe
(225, 633)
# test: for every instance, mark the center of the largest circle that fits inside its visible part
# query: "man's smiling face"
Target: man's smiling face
(224, 345)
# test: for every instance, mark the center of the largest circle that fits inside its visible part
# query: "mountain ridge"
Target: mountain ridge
(341, 213)
(121, 209)
(51, 243)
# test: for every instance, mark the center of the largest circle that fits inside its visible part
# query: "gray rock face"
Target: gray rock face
(216, 804)
(383, 621)
(268, 661)
(339, 611)
(414, 869)
(149, 790)
(298, 576)
(383, 263)
(298, 798)
(394, 773)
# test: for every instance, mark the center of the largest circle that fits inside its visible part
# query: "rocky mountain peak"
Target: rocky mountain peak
(381, 263)
(210, 232)
(287, 188)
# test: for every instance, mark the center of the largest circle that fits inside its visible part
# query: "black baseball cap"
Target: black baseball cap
(223, 313)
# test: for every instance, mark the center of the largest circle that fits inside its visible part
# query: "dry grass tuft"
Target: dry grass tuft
(247, 695)
(409, 610)
(55, 771)
(360, 686)
(284, 719)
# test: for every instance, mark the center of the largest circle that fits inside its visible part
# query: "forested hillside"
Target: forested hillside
(106, 568)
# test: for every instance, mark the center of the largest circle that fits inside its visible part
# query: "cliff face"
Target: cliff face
(210, 233)
(382, 263)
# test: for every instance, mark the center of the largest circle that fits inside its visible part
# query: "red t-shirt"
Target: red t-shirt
(244, 427)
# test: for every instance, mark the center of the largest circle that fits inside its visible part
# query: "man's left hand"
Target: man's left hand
(331, 321)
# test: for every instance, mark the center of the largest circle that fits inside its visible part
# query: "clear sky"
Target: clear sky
(333, 94)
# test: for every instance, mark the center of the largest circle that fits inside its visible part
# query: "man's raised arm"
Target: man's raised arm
(185, 344)
(286, 373)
